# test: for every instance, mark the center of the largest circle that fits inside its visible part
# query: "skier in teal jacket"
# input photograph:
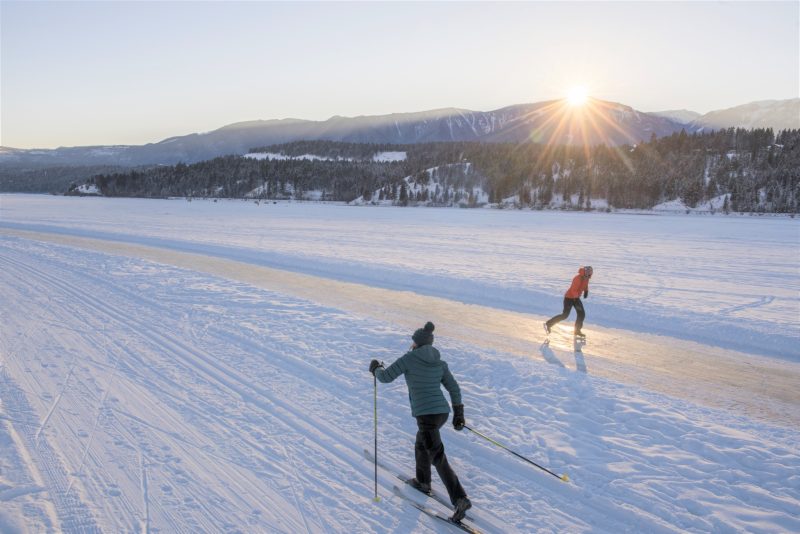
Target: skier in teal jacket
(425, 373)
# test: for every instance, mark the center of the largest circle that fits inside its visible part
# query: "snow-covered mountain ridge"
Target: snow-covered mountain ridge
(614, 124)
(775, 114)
(683, 116)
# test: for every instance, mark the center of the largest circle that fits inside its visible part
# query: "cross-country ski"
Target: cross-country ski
(460, 525)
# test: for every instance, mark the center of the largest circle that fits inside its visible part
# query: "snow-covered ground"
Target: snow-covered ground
(278, 156)
(378, 156)
(189, 367)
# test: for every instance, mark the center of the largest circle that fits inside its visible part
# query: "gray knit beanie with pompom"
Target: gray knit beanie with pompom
(424, 336)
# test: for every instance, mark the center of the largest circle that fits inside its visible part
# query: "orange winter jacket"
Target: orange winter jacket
(579, 284)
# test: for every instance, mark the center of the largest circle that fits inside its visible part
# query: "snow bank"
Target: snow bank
(87, 189)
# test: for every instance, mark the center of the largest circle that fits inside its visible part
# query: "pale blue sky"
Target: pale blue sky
(85, 73)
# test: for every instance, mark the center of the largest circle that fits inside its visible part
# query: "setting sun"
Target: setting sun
(577, 95)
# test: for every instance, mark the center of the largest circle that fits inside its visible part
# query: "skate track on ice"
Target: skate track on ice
(761, 387)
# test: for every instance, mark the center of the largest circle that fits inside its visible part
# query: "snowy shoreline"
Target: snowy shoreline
(665, 211)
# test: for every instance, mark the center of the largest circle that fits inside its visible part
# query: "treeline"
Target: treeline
(240, 177)
(752, 170)
(53, 180)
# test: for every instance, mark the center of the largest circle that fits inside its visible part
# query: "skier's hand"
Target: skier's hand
(458, 416)
(586, 294)
(374, 364)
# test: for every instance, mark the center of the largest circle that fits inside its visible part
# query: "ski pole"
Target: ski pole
(563, 478)
(375, 418)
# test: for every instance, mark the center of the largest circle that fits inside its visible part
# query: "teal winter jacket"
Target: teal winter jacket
(425, 373)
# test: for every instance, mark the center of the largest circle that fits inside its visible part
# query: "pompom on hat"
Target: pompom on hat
(424, 336)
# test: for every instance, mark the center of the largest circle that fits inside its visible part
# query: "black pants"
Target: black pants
(429, 450)
(568, 304)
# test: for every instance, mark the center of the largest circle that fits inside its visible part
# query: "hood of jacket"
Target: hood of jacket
(427, 354)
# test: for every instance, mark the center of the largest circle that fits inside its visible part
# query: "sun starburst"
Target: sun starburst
(577, 95)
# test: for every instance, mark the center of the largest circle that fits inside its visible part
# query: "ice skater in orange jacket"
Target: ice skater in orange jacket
(580, 284)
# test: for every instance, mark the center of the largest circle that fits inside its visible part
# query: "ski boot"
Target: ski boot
(419, 486)
(462, 505)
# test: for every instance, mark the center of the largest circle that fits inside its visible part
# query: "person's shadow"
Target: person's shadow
(550, 356)
(580, 363)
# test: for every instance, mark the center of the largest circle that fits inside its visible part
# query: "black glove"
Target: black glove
(374, 364)
(458, 416)
(586, 294)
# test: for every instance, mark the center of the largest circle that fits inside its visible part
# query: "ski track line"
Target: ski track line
(73, 514)
(762, 301)
(93, 402)
(204, 450)
(198, 449)
(76, 315)
(145, 495)
(57, 399)
(99, 306)
(211, 513)
(29, 271)
(18, 491)
(660, 288)
(134, 442)
(50, 510)
(100, 409)
(70, 512)
(294, 489)
(222, 375)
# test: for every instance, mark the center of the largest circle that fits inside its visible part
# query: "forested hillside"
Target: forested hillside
(742, 170)
(54, 180)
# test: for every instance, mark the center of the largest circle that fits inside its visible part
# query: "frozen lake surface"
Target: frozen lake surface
(730, 281)
(202, 366)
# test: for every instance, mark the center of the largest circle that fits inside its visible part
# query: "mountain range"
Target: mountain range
(557, 122)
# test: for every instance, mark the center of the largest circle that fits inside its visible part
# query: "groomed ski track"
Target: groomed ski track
(758, 386)
(145, 388)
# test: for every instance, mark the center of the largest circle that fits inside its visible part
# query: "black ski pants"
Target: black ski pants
(429, 449)
(568, 305)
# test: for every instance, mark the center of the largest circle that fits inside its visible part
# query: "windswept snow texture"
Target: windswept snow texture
(139, 396)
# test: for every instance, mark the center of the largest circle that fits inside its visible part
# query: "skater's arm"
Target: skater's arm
(451, 386)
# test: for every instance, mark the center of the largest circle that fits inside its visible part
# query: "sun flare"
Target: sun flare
(577, 95)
